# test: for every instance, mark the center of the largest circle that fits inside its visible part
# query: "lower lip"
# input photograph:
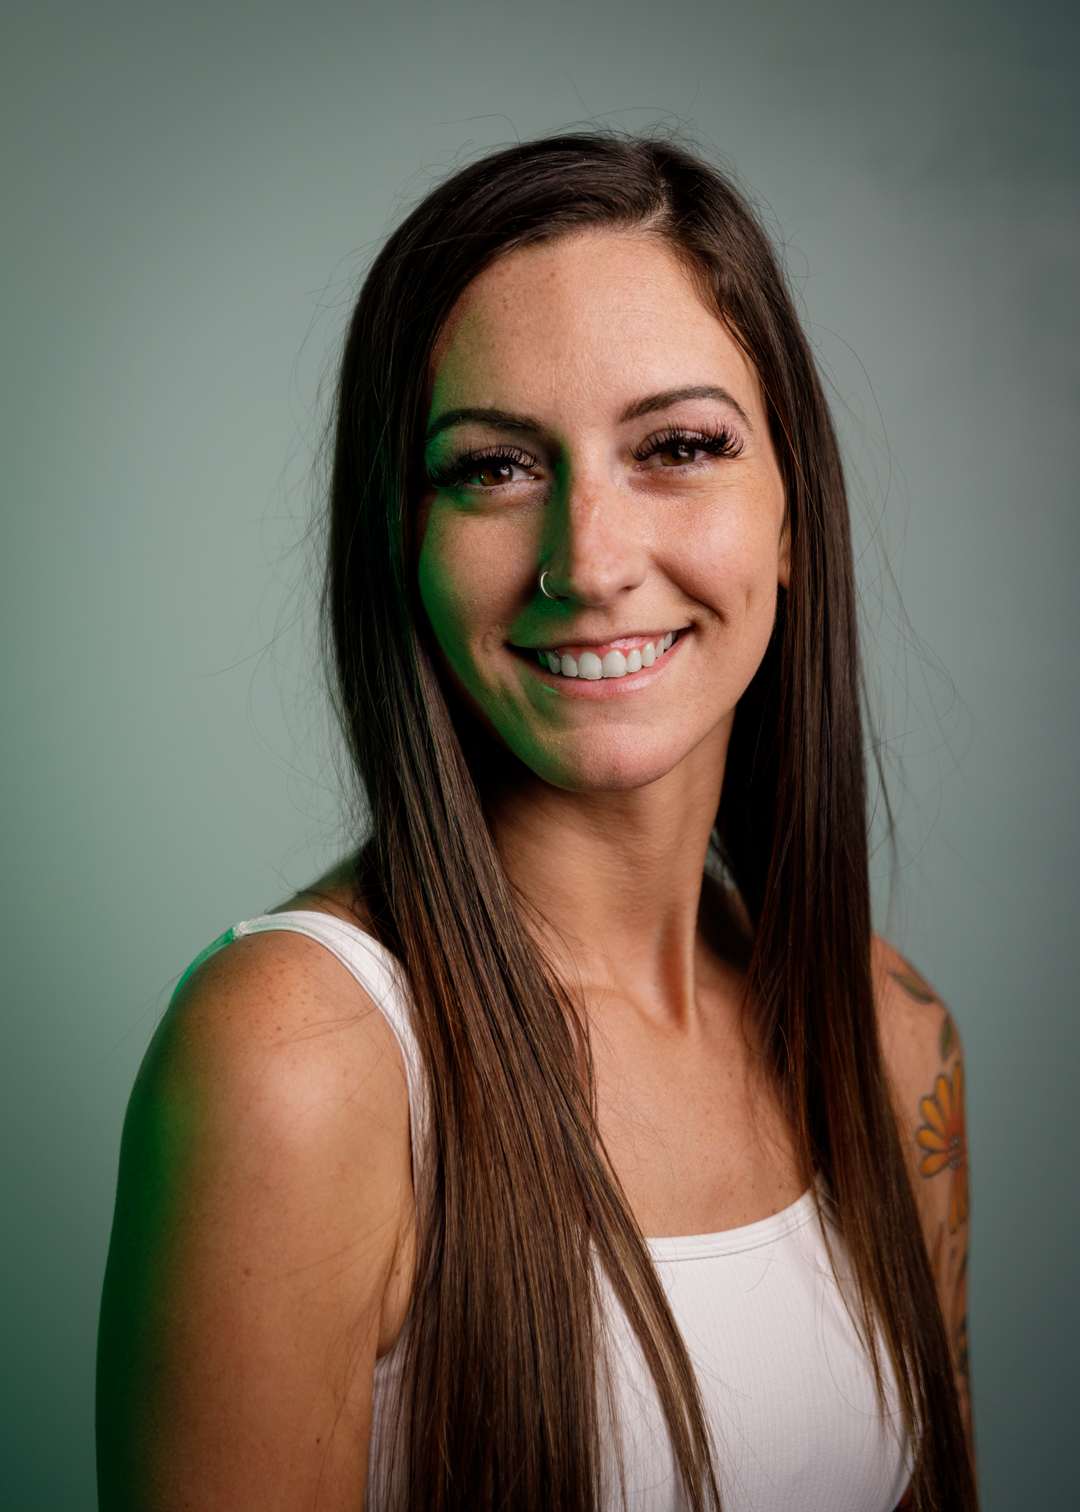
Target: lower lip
(601, 689)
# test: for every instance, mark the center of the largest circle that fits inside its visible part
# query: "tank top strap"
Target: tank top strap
(381, 976)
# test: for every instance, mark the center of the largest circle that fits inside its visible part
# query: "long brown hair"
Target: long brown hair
(501, 1398)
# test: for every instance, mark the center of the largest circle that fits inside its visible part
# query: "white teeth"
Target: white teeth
(614, 664)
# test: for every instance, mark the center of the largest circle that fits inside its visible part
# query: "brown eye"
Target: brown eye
(677, 453)
(482, 471)
(494, 473)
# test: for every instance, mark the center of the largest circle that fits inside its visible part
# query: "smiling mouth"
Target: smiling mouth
(615, 662)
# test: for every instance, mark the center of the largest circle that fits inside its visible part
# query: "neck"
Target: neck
(611, 882)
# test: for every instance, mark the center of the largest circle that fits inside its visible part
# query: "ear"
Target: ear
(783, 576)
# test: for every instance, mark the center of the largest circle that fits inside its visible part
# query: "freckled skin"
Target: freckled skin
(570, 334)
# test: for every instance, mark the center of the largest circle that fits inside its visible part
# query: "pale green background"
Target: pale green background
(189, 193)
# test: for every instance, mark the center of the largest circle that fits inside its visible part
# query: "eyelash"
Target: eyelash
(718, 442)
(458, 470)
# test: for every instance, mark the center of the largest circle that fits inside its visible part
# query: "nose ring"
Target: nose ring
(543, 590)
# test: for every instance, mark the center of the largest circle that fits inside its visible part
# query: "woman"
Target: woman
(574, 1145)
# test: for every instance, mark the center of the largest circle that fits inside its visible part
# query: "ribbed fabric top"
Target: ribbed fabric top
(787, 1387)
(788, 1390)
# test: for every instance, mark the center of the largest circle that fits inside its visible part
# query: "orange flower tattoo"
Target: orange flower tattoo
(942, 1136)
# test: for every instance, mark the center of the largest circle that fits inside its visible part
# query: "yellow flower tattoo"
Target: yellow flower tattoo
(942, 1137)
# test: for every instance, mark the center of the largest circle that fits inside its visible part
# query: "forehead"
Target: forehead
(593, 314)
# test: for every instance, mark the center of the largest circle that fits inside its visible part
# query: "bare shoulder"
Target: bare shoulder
(918, 1034)
(924, 1059)
(260, 1254)
(273, 1039)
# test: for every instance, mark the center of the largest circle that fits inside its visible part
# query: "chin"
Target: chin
(608, 771)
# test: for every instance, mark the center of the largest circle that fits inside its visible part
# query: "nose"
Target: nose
(592, 548)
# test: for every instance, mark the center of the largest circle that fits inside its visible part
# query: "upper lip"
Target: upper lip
(587, 643)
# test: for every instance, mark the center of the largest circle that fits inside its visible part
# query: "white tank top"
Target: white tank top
(787, 1388)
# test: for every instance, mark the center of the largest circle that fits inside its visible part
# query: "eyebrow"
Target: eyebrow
(506, 420)
(677, 396)
(502, 419)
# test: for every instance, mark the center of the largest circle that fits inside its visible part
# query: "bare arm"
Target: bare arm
(925, 1059)
(260, 1256)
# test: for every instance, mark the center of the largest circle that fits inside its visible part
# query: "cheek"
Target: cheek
(439, 580)
(466, 589)
(735, 569)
